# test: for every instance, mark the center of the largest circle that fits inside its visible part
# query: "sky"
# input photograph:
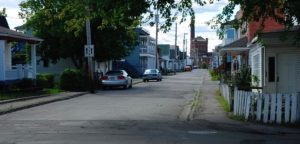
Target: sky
(202, 14)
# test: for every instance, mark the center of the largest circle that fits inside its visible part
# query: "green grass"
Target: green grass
(222, 101)
(14, 95)
(214, 75)
(196, 103)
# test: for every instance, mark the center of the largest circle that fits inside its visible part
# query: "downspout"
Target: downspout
(264, 68)
(276, 73)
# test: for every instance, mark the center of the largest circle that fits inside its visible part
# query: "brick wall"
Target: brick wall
(270, 25)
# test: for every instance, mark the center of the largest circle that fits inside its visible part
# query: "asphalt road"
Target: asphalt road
(148, 113)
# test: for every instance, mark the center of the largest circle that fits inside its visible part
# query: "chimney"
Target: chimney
(192, 25)
(3, 22)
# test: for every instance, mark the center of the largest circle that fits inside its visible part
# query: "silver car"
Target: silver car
(116, 78)
(152, 74)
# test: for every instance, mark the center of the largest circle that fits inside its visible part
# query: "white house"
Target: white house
(8, 72)
(276, 62)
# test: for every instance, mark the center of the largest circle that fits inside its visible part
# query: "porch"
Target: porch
(8, 72)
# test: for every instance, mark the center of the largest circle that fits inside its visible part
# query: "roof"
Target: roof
(142, 31)
(7, 34)
(242, 42)
(3, 22)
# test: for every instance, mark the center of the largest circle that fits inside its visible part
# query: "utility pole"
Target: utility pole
(89, 53)
(156, 38)
(175, 59)
(184, 45)
(186, 51)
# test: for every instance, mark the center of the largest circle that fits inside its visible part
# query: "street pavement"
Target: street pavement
(152, 112)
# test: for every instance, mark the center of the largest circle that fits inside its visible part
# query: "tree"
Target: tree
(61, 23)
(283, 11)
(3, 12)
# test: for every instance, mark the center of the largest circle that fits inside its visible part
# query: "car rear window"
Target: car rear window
(152, 71)
(114, 73)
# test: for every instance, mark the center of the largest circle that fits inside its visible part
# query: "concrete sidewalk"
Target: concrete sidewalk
(212, 114)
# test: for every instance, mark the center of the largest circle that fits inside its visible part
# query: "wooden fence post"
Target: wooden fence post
(259, 106)
(235, 101)
(248, 104)
(287, 108)
(294, 108)
(266, 108)
(273, 107)
(279, 108)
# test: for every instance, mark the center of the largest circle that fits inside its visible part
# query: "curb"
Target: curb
(40, 103)
(23, 99)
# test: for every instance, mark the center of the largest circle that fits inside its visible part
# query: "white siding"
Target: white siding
(55, 69)
(288, 50)
(256, 63)
(8, 59)
(2, 60)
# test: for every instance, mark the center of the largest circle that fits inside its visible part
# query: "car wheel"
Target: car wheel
(157, 79)
(144, 80)
(103, 87)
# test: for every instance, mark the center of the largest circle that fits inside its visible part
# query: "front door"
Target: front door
(270, 73)
(286, 79)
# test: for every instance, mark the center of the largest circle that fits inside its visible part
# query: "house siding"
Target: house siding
(256, 63)
(55, 69)
(134, 58)
(288, 50)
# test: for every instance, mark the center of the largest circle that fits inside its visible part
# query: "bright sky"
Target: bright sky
(203, 14)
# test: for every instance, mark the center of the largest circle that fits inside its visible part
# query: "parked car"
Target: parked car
(152, 74)
(116, 78)
(188, 68)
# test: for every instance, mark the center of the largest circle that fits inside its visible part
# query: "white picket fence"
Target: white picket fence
(225, 92)
(269, 108)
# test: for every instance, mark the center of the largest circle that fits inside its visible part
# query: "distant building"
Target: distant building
(141, 57)
(199, 49)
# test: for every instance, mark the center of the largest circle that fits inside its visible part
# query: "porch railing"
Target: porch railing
(19, 72)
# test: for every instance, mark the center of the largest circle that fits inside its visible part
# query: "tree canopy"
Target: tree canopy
(3, 12)
(61, 23)
(283, 11)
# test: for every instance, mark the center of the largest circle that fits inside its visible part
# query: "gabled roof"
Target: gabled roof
(242, 42)
(7, 34)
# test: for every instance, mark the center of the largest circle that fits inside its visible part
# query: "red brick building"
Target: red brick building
(199, 49)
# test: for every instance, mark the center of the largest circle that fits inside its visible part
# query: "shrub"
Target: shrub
(71, 80)
(45, 80)
(243, 78)
(25, 83)
(214, 75)
(204, 66)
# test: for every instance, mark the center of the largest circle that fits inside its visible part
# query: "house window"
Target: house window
(271, 69)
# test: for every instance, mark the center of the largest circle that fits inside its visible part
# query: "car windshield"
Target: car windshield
(114, 73)
(150, 71)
